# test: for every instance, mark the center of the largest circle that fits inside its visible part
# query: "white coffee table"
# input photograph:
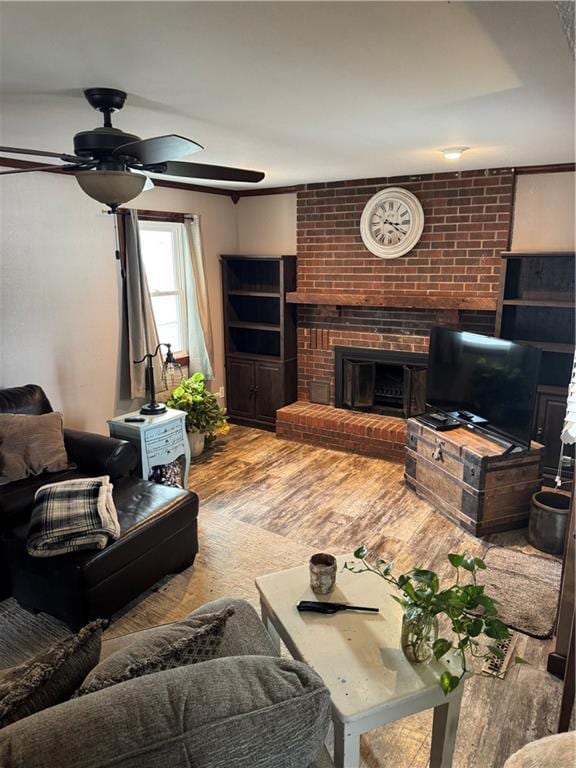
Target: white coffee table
(358, 656)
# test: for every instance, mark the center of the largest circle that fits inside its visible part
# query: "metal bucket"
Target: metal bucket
(548, 518)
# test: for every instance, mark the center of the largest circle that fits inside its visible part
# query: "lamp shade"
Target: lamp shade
(111, 187)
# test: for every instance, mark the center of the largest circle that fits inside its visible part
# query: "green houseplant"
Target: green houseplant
(468, 613)
(204, 416)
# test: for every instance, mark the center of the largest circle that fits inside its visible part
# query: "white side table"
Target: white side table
(360, 659)
(162, 444)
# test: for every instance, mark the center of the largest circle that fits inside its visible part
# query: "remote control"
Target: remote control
(132, 419)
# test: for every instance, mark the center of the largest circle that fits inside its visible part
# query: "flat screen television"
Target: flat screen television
(484, 382)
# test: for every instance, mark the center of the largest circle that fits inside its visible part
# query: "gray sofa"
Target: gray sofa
(248, 708)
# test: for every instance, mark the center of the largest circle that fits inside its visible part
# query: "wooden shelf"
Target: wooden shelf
(260, 337)
(534, 254)
(256, 294)
(547, 346)
(536, 307)
(552, 390)
(251, 356)
(412, 301)
(254, 326)
(545, 303)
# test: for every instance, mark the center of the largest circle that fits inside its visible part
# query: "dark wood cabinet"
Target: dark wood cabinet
(260, 337)
(239, 387)
(536, 307)
(268, 389)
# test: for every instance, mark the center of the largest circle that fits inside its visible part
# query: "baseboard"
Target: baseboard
(269, 427)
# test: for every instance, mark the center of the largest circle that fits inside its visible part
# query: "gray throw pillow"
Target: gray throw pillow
(236, 712)
(50, 678)
(30, 445)
(191, 641)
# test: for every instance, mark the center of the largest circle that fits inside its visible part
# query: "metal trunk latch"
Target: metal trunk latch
(438, 452)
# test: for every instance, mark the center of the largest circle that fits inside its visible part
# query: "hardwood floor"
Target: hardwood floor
(333, 502)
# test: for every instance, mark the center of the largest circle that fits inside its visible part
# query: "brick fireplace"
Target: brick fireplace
(380, 381)
(349, 298)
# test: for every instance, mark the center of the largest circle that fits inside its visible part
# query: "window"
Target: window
(163, 253)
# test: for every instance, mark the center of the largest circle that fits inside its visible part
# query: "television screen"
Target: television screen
(483, 381)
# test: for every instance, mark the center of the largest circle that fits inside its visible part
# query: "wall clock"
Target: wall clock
(392, 223)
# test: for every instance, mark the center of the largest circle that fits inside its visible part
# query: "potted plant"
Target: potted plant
(467, 611)
(204, 416)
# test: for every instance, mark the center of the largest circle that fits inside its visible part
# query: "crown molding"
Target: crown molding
(236, 194)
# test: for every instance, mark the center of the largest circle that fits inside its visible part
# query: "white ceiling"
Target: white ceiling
(305, 91)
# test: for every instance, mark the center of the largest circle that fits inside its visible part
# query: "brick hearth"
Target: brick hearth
(348, 297)
(366, 433)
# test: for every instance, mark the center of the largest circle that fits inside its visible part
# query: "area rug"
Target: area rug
(526, 587)
(232, 553)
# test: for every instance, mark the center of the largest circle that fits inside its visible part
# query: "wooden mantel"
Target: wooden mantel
(393, 301)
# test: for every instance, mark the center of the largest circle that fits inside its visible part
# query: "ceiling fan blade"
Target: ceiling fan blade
(204, 171)
(44, 168)
(40, 153)
(159, 149)
(148, 184)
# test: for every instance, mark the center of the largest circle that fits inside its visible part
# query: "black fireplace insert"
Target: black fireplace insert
(380, 381)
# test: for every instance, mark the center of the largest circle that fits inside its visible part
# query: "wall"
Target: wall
(59, 288)
(544, 212)
(467, 220)
(467, 224)
(267, 225)
(322, 328)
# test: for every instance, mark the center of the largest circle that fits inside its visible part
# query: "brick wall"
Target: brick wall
(321, 328)
(467, 224)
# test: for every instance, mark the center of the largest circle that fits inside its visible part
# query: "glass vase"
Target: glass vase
(418, 636)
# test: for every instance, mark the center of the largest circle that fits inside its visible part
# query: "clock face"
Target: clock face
(392, 223)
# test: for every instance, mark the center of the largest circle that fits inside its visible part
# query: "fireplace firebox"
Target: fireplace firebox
(380, 381)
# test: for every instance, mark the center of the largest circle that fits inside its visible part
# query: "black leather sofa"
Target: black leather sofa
(158, 529)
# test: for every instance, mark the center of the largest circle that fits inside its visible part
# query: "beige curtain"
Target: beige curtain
(200, 338)
(141, 335)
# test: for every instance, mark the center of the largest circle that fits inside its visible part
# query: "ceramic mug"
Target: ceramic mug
(322, 573)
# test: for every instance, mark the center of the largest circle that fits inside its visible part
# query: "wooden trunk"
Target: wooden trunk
(465, 476)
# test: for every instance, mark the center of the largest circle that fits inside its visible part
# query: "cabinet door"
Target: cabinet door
(269, 390)
(549, 422)
(240, 387)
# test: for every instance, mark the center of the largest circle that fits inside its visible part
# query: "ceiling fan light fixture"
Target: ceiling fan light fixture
(454, 153)
(111, 187)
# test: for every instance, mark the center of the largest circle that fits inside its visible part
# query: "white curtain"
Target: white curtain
(569, 430)
(200, 339)
(139, 326)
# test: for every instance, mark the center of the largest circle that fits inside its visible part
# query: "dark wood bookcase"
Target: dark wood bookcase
(260, 337)
(537, 307)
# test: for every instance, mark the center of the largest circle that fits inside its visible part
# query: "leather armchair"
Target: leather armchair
(100, 455)
(158, 529)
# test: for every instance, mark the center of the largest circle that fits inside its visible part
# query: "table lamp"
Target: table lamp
(170, 370)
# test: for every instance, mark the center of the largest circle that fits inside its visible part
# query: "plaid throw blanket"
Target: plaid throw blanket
(71, 516)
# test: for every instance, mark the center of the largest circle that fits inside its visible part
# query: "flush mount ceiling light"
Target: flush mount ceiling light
(453, 153)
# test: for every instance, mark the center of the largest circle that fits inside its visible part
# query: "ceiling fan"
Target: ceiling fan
(111, 165)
